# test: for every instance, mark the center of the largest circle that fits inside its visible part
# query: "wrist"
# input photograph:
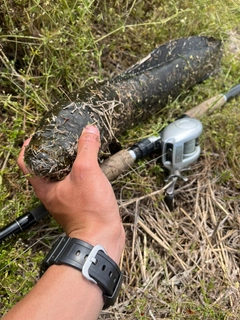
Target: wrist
(112, 239)
(93, 261)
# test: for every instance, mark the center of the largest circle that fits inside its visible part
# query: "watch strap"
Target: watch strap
(92, 261)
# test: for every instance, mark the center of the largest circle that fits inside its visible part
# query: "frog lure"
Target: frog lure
(119, 104)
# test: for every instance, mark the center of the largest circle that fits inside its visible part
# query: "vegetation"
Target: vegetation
(182, 264)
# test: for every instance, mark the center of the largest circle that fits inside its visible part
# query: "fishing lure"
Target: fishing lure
(121, 103)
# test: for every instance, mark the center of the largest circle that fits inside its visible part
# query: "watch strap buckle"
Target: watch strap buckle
(91, 259)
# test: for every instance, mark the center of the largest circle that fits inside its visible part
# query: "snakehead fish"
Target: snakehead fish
(121, 103)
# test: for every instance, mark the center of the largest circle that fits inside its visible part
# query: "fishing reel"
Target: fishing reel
(179, 144)
(180, 148)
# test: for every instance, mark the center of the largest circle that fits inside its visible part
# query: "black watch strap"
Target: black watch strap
(93, 262)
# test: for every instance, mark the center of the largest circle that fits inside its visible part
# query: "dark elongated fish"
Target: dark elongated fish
(119, 104)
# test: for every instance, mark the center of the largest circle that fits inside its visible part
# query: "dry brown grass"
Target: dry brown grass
(186, 263)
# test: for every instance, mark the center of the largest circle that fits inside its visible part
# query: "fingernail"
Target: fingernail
(91, 129)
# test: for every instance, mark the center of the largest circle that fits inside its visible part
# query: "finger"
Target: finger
(20, 160)
(88, 145)
(88, 148)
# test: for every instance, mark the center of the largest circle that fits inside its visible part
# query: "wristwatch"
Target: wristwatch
(92, 261)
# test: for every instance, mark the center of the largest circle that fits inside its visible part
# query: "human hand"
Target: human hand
(83, 203)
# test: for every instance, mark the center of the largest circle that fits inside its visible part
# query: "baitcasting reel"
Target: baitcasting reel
(180, 148)
(178, 144)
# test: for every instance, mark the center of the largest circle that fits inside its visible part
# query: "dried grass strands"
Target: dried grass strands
(162, 243)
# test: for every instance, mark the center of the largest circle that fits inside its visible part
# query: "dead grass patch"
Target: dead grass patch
(186, 263)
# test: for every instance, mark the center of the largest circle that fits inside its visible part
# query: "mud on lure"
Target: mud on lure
(120, 103)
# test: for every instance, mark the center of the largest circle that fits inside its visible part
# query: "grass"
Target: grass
(177, 265)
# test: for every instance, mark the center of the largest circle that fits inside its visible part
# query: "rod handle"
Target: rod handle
(117, 164)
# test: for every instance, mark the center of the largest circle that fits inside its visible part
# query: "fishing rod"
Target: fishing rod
(177, 142)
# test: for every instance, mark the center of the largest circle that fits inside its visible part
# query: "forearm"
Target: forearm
(85, 206)
(62, 294)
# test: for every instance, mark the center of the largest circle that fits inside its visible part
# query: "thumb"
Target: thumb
(88, 148)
